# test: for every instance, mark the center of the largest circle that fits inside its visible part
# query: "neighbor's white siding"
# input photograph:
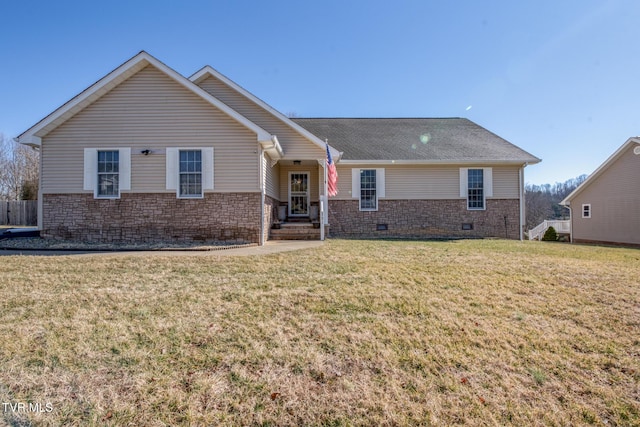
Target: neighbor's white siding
(150, 111)
(294, 145)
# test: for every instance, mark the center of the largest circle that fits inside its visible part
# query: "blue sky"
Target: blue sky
(560, 79)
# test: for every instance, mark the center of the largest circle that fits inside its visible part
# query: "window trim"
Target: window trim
(374, 209)
(487, 186)
(191, 196)
(380, 186)
(172, 169)
(483, 189)
(90, 180)
(588, 210)
(97, 194)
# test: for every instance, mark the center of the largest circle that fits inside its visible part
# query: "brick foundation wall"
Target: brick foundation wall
(270, 213)
(425, 219)
(233, 217)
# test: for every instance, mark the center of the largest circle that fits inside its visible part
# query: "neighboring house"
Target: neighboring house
(147, 154)
(605, 208)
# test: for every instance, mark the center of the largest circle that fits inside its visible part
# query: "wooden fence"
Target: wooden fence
(23, 212)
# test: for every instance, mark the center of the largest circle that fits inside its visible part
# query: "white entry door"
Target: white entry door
(298, 193)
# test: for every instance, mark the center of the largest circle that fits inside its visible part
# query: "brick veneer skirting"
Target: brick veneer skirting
(269, 213)
(425, 218)
(152, 217)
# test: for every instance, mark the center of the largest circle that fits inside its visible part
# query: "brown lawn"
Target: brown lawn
(353, 333)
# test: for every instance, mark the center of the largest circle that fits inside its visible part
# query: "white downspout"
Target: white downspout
(522, 201)
(40, 193)
(570, 223)
(262, 195)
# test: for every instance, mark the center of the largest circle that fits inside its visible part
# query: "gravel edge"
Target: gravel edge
(38, 244)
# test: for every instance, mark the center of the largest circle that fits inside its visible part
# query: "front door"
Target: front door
(298, 193)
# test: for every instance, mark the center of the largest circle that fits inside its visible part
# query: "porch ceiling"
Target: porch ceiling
(302, 162)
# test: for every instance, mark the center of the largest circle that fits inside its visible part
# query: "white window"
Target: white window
(476, 184)
(368, 186)
(189, 171)
(586, 211)
(368, 193)
(107, 171)
(475, 189)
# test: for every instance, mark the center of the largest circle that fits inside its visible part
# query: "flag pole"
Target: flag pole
(324, 204)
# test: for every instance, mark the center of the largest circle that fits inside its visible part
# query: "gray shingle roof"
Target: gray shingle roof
(414, 139)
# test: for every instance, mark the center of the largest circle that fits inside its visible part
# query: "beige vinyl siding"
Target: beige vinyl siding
(314, 182)
(614, 197)
(344, 183)
(428, 182)
(294, 145)
(272, 179)
(150, 111)
(506, 182)
(416, 182)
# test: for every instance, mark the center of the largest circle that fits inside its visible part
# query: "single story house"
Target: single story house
(605, 208)
(147, 154)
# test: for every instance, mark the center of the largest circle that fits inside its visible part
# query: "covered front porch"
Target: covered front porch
(299, 208)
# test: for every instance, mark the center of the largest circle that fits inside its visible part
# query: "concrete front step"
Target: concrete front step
(294, 237)
(295, 231)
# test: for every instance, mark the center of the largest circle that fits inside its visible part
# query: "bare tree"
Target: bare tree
(542, 201)
(538, 205)
(19, 170)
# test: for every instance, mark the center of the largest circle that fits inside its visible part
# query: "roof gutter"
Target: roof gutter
(272, 147)
(30, 140)
(436, 162)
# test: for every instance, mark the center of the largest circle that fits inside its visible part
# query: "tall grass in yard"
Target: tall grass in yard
(353, 333)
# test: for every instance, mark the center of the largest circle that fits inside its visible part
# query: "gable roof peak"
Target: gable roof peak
(208, 71)
(114, 78)
(600, 170)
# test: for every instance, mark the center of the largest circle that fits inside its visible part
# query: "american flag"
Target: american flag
(332, 175)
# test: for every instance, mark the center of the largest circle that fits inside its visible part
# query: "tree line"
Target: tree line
(19, 170)
(542, 201)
